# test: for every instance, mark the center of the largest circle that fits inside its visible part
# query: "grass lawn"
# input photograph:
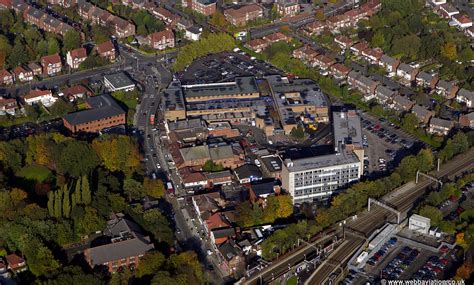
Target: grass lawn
(35, 172)
(292, 281)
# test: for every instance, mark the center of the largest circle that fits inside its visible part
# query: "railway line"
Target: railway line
(358, 230)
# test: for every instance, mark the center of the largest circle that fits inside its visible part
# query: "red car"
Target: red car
(444, 249)
(444, 261)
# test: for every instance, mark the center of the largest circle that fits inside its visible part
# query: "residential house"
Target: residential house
(344, 42)
(22, 74)
(306, 54)
(122, 28)
(447, 89)
(339, 71)
(219, 178)
(313, 28)
(424, 115)
(37, 96)
(106, 50)
(241, 16)
(461, 21)
(440, 126)
(257, 45)
(75, 92)
(337, 22)
(191, 178)
(384, 95)
(51, 64)
(435, 2)
(467, 120)
(260, 190)
(465, 96)
(276, 37)
(36, 68)
(390, 64)
(362, 83)
(193, 33)
(6, 4)
(205, 7)
(248, 173)
(271, 165)
(8, 106)
(470, 32)
(220, 236)
(161, 40)
(15, 263)
(75, 57)
(372, 55)
(401, 103)
(426, 80)
(407, 73)
(232, 256)
(359, 47)
(447, 11)
(287, 7)
(126, 246)
(6, 78)
(165, 16)
(323, 61)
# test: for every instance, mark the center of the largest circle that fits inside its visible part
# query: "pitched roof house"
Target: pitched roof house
(51, 64)
(75, 57)
(106, 50)
(447, 89)
(440, 126)
(161, 40)
(424, 115)
(6, 78)
(465, 96)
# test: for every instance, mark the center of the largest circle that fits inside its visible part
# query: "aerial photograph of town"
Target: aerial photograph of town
(249, 142)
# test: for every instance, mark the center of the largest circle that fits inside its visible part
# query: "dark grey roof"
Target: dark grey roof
(206, 2)
(406, 68)
(247, 171)
(120, 225)
(221, 152)
(103, 106)
(119, 79)
(186, 124)
(195, 30)
(223, 232)
(229, 250)
(469, 95)
(272, 162)
(441, 122)
(384, 92)
(445, 84)
(420, 111)
(387, 59)
(263, 188)
(242, 85)
(425, 76)
(118, 250)
(173, 96)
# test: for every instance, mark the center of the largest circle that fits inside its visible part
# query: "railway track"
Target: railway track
(366, 224)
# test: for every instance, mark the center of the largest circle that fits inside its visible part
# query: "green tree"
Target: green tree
(75, 158)
(118, 153)
(297, 132)
(378, 40)
(72, 40)
(449, 51)
(86, 196)
(410, 122)
(101, 34)
(434, 214)
(211, 166)
(58, 197)
(153, 187)
(66, 202)
(153, 261)
(53, 45)
(132, 188)
(51, 199)
(77, 191)
(92, 61)
(18, 54)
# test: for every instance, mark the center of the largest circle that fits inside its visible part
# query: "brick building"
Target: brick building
(241, 16)
(103, 112)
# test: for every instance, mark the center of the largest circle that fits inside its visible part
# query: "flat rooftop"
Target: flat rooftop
(172, 97)
(308, 92)
(272, 162)
(119, 80)
(347, 128)
(241, 85)
(322, 161)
